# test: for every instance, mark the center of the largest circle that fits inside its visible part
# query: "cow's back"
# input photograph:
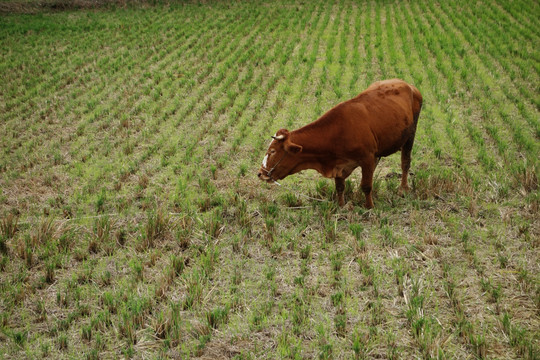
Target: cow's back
(383, 116)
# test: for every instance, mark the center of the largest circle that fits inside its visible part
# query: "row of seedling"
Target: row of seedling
(464, 327)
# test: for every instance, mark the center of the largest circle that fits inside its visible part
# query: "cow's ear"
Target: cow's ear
(293, 148)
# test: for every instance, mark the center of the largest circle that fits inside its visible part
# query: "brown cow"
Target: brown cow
(358, 132)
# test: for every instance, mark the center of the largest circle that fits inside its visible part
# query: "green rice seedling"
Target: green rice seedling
(237, 244)
(25, 251)
(330, 231)
(257, 320)
(8, 228)
(428, 332)
(83, 310)
(127, 328)
(128, 352)
(92, 355)
(478, 343)
(506, 323)
(137, 268)
(415, 306)
(360, 345)
(243, 169)
(157, 226)
(337, 298)
(163, 284)
(236, 279)
(340, 321)
(276, 247)
(524, 277)
(108, 300)
(100, 201)
(4, 319)
(62, 299)
(376, 311)
(62, 342)
(66, 240)
(203, 340)
(3, 245)
(388, 238)
(102, 230)
(269, 273)
(128, 148)
(305, 252)
(86, 333)
(45, 349)
(518, 338)
(101, 321)
(19, 337)
(464, 327)
(44, 233)
(270, 229)
(166, 326)
(299, 312)
(209, 261)
(270, 209)
(215, 224)
(400, 272)
(183, 234)
(217, 316)
(3, 262)
(357, 230)
(288, 347)
(178, 264)
(503, 260)
(291, 200)
(300, 280)
(194, 290)
(325, 347)
(244, 218)
(323, 188)
(83, 276)
(49, 272)
(213, 170)
(392, 350)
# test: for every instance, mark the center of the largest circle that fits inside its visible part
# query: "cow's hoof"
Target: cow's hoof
(402, 190)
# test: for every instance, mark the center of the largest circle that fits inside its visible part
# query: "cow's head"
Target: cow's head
(280, 158)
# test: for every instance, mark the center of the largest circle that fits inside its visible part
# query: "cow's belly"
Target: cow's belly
(342, 169)
(389, 144)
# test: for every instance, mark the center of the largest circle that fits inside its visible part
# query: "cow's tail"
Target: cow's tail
(416, 103)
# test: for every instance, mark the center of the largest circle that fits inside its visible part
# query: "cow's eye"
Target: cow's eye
(272, 152)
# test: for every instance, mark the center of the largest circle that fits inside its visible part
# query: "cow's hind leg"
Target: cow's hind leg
(406, 163)
(368, 168)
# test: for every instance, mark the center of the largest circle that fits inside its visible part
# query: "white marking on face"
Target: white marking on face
(265, 160)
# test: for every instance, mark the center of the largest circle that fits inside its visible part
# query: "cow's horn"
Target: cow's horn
(278, 137)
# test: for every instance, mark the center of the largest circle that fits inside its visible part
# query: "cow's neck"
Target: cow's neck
(312, 156)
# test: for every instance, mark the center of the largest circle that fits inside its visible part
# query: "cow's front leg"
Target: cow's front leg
(340, 188)
(367, 181)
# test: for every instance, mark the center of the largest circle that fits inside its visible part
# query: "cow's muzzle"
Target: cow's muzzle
(261, 175)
